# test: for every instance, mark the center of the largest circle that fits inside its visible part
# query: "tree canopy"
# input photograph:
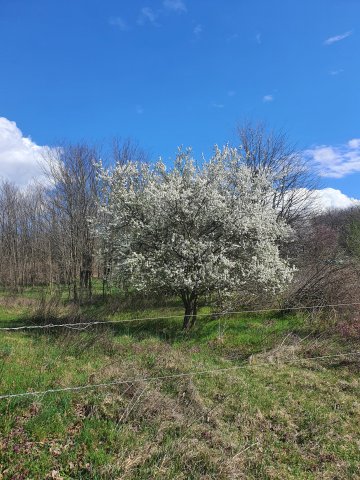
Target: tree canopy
(192, 230)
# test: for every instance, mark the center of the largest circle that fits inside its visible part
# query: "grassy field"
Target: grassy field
(273, 412)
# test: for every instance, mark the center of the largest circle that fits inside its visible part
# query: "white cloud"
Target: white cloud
(120, 23)
(147, 14)
(354, 143)
(268, 98)
(20, 157)
(327, 199)
(336, 162)
(175, 5)
(337, 38)
(330, 199)
(217, 105)
(198, 29)
(258, 38)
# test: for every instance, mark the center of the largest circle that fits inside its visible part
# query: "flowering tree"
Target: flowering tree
(190, 231)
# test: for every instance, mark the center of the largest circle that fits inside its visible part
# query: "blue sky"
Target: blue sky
(171, 72)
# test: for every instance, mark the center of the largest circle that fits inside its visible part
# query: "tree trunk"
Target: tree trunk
(190, 304)
(194, 313)
(187, 317)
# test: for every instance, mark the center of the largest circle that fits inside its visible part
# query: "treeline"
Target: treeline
(44, 230)
(327, 254)
(48, 237)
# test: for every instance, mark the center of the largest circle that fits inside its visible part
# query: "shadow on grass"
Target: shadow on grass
(234, 337)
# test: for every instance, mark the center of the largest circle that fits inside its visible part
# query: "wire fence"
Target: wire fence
(216, 371)
(215, 315)
(84, 325)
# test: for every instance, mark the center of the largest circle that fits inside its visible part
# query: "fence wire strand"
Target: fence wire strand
(162, 377)
(84, 325)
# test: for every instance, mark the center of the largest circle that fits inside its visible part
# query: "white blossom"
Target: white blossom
(192, 230)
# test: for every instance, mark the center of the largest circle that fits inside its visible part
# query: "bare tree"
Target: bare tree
(327, 257)
(72, 202)
(23, 237)
(291, 176)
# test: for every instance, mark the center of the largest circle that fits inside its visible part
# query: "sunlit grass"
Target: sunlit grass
(279, 415)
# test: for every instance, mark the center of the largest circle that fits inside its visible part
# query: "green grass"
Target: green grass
(280, 416)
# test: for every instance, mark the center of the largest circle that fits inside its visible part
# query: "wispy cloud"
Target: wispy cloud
(151, 16)
(148, 15)
(120, 23)
(139, 109)
(198, 29)
(231, 93)
(258, 38)
(268, 98)
(336, 161)
(232, 37)
(337, 38)
(336, 72)
(217, 105)
(175, 5)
